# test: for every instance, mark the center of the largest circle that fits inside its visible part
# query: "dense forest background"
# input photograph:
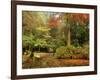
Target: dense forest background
(52, 36)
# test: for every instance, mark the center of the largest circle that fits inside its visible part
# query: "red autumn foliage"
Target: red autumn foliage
(54, 22)
(79, 17)
(72, 17)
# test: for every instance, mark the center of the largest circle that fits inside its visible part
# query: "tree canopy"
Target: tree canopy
(54, 29)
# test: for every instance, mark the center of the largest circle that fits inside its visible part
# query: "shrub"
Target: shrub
(70, 49)
(86, 51)
(60, 52)
(71, 52)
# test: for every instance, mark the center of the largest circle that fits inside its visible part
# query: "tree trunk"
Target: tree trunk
(69, 38)
(39, 48)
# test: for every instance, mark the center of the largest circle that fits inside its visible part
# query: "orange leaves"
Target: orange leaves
(55, 20)
(79, 17)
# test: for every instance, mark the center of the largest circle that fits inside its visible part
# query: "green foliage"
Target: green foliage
(80, 35)
(86, 51)
(78, 52)
(35, 25)
(60, 52)
(28, 40)
(72, 52)
(40, 43)
(66, 35)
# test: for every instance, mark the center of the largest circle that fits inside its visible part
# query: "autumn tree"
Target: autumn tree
(73, 19)
(57, 31)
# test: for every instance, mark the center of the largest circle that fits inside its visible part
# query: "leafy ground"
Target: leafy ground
(75, 62)
(50, 61)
